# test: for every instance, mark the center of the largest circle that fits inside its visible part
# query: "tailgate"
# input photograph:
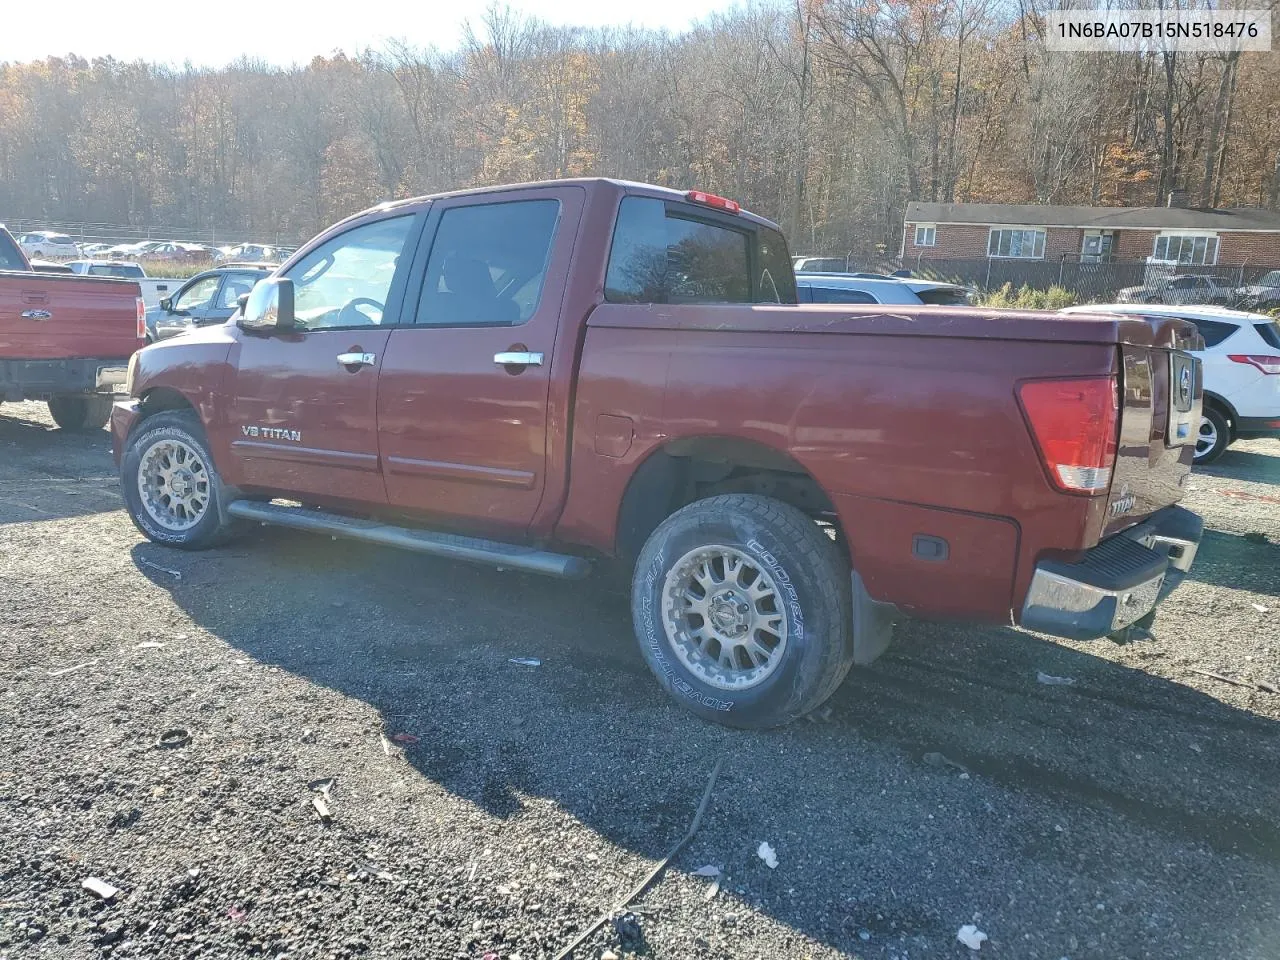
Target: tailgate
(1160, 400)
(53, 317)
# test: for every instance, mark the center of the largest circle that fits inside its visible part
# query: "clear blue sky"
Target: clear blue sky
(214, 32)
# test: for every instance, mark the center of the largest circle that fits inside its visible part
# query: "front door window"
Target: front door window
(345, 282)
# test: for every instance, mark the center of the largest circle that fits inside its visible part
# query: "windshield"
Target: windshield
(1271, 279)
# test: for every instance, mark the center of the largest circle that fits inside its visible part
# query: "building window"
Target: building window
(926, 235)
(1187, 248)
(1098, 246)
(1021, 243)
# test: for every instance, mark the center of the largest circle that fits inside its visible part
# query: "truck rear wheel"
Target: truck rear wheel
(79, 412)
(171, 486)
(742, 608)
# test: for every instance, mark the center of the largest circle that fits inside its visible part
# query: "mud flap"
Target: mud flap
(872, 623)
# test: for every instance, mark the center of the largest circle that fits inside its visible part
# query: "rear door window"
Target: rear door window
(234, 286)
(488, 264)
(672, 253)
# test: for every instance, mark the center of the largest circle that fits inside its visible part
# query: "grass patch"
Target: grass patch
(1026, 298)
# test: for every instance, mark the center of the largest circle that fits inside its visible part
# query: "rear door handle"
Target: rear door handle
(357, 359)
(517, 359)
(36, 315)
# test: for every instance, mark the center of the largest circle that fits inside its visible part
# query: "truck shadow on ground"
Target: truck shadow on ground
(53, 474)
(1239, 562)
(1246, 465)
(944, 780)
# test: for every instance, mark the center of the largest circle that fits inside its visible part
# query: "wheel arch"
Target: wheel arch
(692, 468)
(159, 399)
(1223, 405)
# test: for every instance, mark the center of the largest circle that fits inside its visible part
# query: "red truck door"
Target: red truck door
(303, 402)
(463, 391)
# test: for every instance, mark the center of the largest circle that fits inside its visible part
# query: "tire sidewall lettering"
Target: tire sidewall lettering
(784, 583)
(656, 640)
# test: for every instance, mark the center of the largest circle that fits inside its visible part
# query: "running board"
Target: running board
(491, 552)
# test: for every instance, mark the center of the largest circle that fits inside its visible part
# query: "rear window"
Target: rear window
(673, 254)
(837, 295)
(1214, 332)
(1269, 332)
(944, 297)
(129, 272)
(10, 256)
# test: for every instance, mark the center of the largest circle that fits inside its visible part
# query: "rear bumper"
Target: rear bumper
(1117, 583)
(41, 379)
(1257, 426)
(124, 414)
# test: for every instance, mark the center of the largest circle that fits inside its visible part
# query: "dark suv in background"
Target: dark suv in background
(209, 297)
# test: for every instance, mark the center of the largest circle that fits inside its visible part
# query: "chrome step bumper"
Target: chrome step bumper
(1117, 583)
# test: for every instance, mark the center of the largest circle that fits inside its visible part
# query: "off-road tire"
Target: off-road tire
(801, 559)
(1222, 441)
(80, 413)
(214, 526)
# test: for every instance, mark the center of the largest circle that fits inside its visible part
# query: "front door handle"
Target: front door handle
(36, 315)
(517, 359)
(357, 359)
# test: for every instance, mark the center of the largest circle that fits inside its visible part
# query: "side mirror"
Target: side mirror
(269, 307)
(166, 305)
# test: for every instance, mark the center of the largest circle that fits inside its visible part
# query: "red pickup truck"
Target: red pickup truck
(539, 375)
(65, 339)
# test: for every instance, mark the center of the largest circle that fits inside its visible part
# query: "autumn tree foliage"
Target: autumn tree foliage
(827, 115)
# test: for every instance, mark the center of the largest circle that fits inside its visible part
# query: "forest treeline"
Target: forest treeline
(826, 115)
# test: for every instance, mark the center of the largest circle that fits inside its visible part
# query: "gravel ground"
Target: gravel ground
(482, 807)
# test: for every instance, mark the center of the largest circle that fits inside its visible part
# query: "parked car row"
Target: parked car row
(54, 246)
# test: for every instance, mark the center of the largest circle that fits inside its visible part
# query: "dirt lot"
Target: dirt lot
(1133, 813)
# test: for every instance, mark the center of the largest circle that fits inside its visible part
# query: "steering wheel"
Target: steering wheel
(351, 316)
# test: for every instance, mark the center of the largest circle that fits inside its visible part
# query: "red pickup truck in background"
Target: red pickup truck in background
(65, 339)
(537, 375)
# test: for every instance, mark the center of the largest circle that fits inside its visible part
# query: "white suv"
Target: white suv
(1241, 361)
(46, 243)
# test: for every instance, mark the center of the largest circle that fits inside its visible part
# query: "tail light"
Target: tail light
(1268, 365)
(1075, 424)
(711, 200)
(142, 318)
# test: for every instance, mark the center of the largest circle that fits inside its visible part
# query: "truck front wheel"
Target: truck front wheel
(171, 487)
(742, 608)
(80, 413)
